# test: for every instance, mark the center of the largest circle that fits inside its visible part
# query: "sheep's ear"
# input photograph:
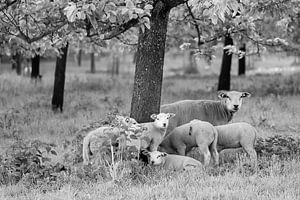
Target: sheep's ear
(246, 94)
(145, 152)
(164, 154)
(222, 94)
(153, 116)
(171, 115)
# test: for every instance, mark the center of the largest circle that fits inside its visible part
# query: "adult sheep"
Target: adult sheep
(237, 135)
(196, 133)
(216, 112)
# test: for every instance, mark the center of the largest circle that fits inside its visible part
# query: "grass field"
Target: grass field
(25, 114)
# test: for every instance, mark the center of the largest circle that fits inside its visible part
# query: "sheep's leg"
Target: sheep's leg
(181, 150)
(215, 155)
(203, 149)
(252, 154)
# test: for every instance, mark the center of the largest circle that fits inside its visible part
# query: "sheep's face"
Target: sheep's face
(233, 99)
(162, 119)
(129, 124)
(156, 157)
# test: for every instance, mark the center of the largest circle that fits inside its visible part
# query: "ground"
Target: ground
(273, 108)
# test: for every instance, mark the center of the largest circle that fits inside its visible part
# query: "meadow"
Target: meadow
(26, 116)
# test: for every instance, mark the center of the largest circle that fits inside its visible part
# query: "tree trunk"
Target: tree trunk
(59, 81)
(242, 61)
(79, 54)
(224, 78)
(115, 65)
(35, 67)
(17, 63)
(93, 69)
(149, 65)
(192, 65)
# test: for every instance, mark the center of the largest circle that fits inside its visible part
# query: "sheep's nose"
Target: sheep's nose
(236, 106)
(152, 162)
(164, 124)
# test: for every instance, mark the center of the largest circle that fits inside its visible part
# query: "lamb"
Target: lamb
(155, 131)
(96, 138)
(172, 162)
(236, 135)
(215, 112)
(196, 133)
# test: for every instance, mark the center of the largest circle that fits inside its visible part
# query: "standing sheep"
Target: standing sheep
(155, 131)
(215, 112)
(96, 138)
(196, 133)
(236, 135)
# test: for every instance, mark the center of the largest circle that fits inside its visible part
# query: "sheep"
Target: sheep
(236, 135)
(196, 133)
(155, 131)
(96, 138)
(215, 112)
(172, 162)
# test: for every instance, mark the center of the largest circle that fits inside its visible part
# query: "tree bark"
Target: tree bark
(224, 78)
(93, 69)
(59, 81)
(17, 63)
(149, 65)
(35, 67)
(242, 61)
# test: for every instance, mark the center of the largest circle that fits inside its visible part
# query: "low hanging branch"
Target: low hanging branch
(200, 42)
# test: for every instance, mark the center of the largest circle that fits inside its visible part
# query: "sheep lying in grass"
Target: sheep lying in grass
(96, 138)
(196, 133)
(172, 162)
(215, 112)
(238, 135)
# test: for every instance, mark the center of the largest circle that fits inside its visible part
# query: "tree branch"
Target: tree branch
(34, 39)
(8, 3)
(109, 34)
(195, 24)
(174, 3)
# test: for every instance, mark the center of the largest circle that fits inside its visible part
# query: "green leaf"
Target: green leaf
(129, 4)
(148, 7)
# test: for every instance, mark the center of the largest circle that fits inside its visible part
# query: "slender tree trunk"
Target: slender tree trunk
(17, 63)
(59, 81)
(149, 65)
(115, 65)
(192, 65)
(242, 61)
(224, 78)
(79, 55)
(93, 69)
(35, 67)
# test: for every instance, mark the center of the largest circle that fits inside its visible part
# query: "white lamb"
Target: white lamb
(172, 161)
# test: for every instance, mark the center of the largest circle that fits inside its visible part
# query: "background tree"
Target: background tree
(59, 81)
